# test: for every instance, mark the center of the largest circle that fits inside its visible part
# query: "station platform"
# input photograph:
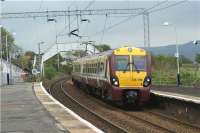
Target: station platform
(27, 109)
(21, 111)
(189, 94)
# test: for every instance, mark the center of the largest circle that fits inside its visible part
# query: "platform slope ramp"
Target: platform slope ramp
(67, 119)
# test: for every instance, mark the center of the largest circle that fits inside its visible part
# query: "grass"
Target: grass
(190, 76)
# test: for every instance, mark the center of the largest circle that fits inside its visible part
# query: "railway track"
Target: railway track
(160, 128)
(67, 100)
(110, 125)
(173, 119)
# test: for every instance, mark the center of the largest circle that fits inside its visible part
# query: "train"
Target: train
(121, 75)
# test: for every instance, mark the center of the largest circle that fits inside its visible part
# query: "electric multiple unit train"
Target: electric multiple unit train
(120, 75)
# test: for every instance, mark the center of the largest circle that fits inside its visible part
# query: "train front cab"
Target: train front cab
(131, 75)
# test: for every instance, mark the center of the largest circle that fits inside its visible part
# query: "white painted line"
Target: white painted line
(71, 112)
(177, 96)
(60, 127)
(49, 103)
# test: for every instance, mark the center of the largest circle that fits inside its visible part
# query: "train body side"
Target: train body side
(108, 76)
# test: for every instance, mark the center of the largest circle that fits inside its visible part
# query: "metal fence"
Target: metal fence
(189, 76)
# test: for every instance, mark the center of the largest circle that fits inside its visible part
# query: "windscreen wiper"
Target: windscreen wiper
(136, 67)
(126, 67)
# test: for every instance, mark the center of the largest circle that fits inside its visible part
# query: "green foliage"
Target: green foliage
(164, 62)
(165, 70)
(30, 54)
(197, 58)
(50, 72)
(13, 50)
(53, 61)
(66, 69)
(51, 68)
(25, 61)
(78, 53)
(102, 47)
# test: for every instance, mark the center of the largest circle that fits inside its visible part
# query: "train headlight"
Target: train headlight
(115, 81)
(147, 81)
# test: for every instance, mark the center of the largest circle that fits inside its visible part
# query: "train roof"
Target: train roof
(105, 53)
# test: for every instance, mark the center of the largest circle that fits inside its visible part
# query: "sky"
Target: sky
(185, 17)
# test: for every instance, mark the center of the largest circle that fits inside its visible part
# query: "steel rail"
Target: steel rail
(104, 120)
(173, 119)
(134, 117)
(137, 118)
(120, 129)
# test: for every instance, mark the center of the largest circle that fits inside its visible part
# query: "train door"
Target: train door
(98, 72)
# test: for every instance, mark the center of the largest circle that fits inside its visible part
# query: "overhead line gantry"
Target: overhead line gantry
(97, 12)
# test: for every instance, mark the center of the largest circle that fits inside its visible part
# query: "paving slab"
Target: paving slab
(21, 111)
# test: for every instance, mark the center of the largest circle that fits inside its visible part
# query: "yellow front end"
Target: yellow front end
(130, 67)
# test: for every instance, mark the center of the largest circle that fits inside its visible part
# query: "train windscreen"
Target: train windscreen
(139, 63)
(122, 63)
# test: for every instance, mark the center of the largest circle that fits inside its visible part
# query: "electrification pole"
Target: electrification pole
(7, 61)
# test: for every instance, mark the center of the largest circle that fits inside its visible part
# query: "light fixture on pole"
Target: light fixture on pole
(196, 42)
(178, 81)
(58, 57)
(39, 54)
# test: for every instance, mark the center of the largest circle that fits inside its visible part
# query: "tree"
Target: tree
(50, 72)
(102, 47)
(13, 49)
(78, 53)
(163, 62)
(30, 54)
(197, 58)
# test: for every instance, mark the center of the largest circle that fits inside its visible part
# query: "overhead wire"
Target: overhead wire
(66, 26)
(177, 3)
(90, 3)
(72, 2)
(130, 17)
(41, 2)
(103, 29)
(133, 16)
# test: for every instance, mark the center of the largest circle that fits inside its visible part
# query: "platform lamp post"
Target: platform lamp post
(1, 58)
(8, 59)
(39, 53)
(178, 81)
(196, 42)
(58, 57)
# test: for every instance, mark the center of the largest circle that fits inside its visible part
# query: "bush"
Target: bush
(50, 72)
(66, 69)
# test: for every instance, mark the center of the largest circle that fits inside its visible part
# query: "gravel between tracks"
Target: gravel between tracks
(132, 120)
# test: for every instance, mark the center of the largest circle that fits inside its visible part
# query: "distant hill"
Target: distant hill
(189, 50)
